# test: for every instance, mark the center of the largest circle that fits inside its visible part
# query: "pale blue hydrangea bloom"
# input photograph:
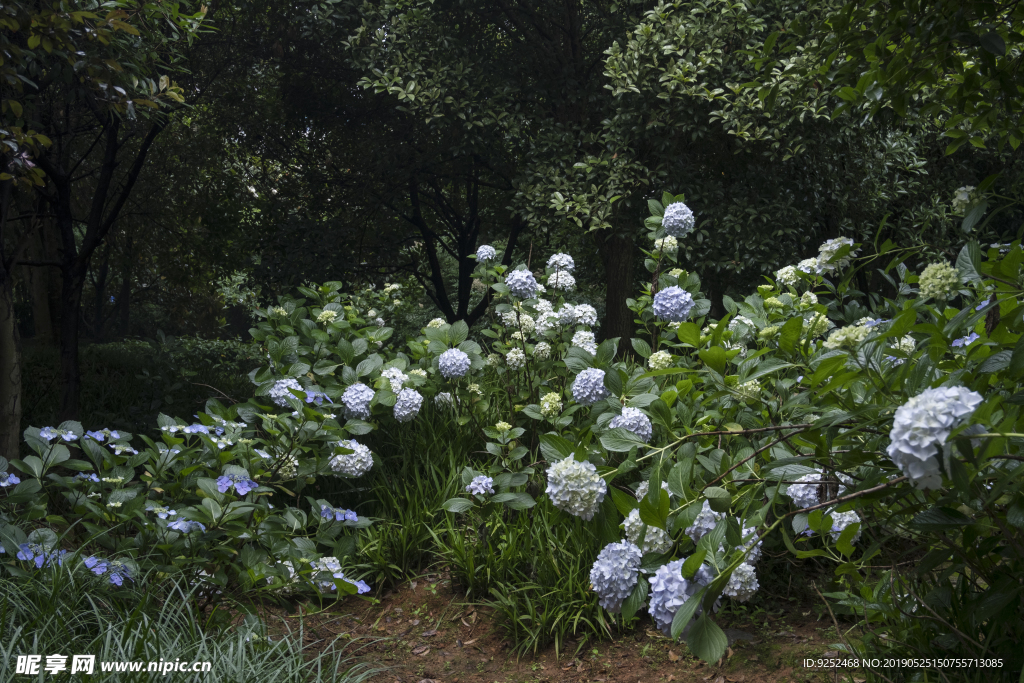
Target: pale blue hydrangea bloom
(408, 405)
(196, 429)
(161, 511)
(51, 433)
(576, 487)
(669, 590)
(673, 304)
(354, 464)
(240, 482)
(567, 315)
(655, 539)
(841, 520)
(921, 427)
(480, 485)
(742, 584)
(338, 514)
(521, 284)
(486, 253)
(40, 556)
(279, 393)
(615, 573)
(678, 220)
(562, 281)
(8, 479)
(314, 395)
(117, 571)
(562, 262)
(357, 401)
(707, 519)
(444, 400)
(966, 340)
(90, 476)
(588, 387)
(585, 340)
(635, 421)
(453, 363)
(186, 526)
(101, 434)
(805, 493)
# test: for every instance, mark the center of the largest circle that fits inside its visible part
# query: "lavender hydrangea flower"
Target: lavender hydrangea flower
(576, 487)
(567, 314)
(588, 387)
(317, 396)
(742, 584)
(453, 363)
(805, 493)
(615, 573)
(356, 400)
(338, 514)
(841, 520)
(118, 571)
(521, 284)
(480, 485)
(655, 540)
(678, 220)
(965, 341)
(635, 421)
(279, 393)
(51, 433)
(669, 590)
(561, 262)
(8, 479)
(91, 476)
(161, 512)
(408, 405)
(673, 304)
(486, 253)
(40, 556)
(196, 429)
(186, 526)
(707, 519)
(354, 464)
(241, 483)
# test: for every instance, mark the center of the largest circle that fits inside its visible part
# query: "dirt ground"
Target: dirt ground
(424, 633)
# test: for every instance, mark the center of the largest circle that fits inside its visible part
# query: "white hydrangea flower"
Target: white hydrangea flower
(356, 400)
(742, 584)
(588, 387)
(816, 325)
(635, 421)
(677, 273)
(921, 427)
(493, 359)
(542, 351)
(669, 590)
(805, 493)
(829, 249)
(437, 323)
(938, 281)
(643, 487)
(615, 573)
(585, 315)
(480, 485)
(354, 464)
(585, 341)
(486, 253)
(849, 337)
(396, 377)
(655, 540)
(906, 345)
(408, 405)
(678, 220)
(550, 405)
(808, 299)
(787, 276)
(660, 360)
(279, 393)
(673, 304)
(811, 266)
(706, 521)
(962, 197)
(561, 281)
(576, 487)
(567, 314)
(543, 306)
(474, 389)
(562, 262)
(668, 245)
(841, 520)
(515, 359)
(326, 316)
(749, 390)
(521, 284)
(742, 328)
(453, 363)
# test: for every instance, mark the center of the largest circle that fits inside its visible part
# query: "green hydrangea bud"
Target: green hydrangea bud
(938, 281)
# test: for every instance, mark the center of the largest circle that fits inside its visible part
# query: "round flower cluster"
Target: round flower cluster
(437, 323)
(706, 521)
(503, 427)
(742, 584)
(326, 316)
(615, 573)
(279, 393)
(480, 485)
(787, 276)
(542, 351)
(962, 197)
(561, 281)
(567, 315)
(828, 251)
(921, 427)
(453, 363)
(805, 493)
(669, 590)
(515, 359)
(576, 487)
(751, 544)
(521, 284)
(585, 341)
(742, 328)
(561, 262)
(660, 360)
(849, 337)
(677, 273)
(668, 245)
(356, 400)
(332, 513)
(240, 482)
(485, 253)
(673, 304)
(635, 421)
(773, 302)
(678, 220)
(8, 479)
(841, 520)
(493, 359)
(408, 405)
(808, 299)
(588, 387)
(768, 332)
(811, 266)
(550, 405)
(938, 281)
(655, 539)
(749, 390)
(396, 377)
(354, 464)
(585, 314)
(816, 325)
(444, 400)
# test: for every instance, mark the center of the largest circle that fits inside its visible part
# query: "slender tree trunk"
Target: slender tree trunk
(100, 284)
(52, 277)
(71, 378)
(37, 282)
(617, 252)
(10, 375)
(124, 295)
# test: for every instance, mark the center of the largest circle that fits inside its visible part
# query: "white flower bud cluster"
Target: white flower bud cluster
(542, 351)
(938, 281)
(515, 359)
(921, 427)
(550, 405)
(660, 360)
(805, 494)
(408, 405)
(655, 540)
(635, 421)
(576, 487)
(742, 328)
(437, 323)
(588, 387)
(615, 573)
(668, 245)
(787, 276)
(354, 464)
(643, 487)
(849, 337)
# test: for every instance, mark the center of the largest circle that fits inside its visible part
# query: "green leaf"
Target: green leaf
(968, 262)
(689, 333)
(718, 498)
(845, 541)
(641, 347)
(624, 502)
(940, 519)
(636, 599)
(457, 504)
(706, 639)
(458, 332)
(652, 516)
(554, 447)
(685, 614)
(621, 440)
(790, 334)
(714, 358)
(693, 563)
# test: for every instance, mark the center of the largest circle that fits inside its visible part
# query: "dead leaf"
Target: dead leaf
(720, 679)
(466, 624)
(671, 678)
(739, 678)
(415, 622)
(421, 650)
(672, 656)
(412, 585)
(470, 642)
(728, 652)
(428, 680)
(831, 654)
(431, 632)
(858, 680)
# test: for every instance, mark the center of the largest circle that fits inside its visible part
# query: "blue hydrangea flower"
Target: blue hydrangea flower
(678, 220)
(118, 570)
(91, 476)
(486, 253)
(669, 590)
(38, 555)
(521, 284)
(353, 464)
(161, 512)
(101, 434)
(7, 479)
(673, 304)
(742, 583)
(357, 401)
(120, 448)
(453, 363)
(965, 341)
(314, 395)
(51, 433)
(338, 514)
(588, 387)
(241, 483)
(480, 485)
(615, 573)
(279, 393)
(186, 526)
(408, 405)
(635, 421)
(196, 429)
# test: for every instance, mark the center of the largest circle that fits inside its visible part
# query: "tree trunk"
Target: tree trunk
(124, 296)
(10, 375)
(617, 252)
(37, 282)
(52, 276)
(72, 284)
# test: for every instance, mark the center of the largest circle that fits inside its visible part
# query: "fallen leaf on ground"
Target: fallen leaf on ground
(431, 632)
(470, 642)
(672, 656)
(421, 650)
